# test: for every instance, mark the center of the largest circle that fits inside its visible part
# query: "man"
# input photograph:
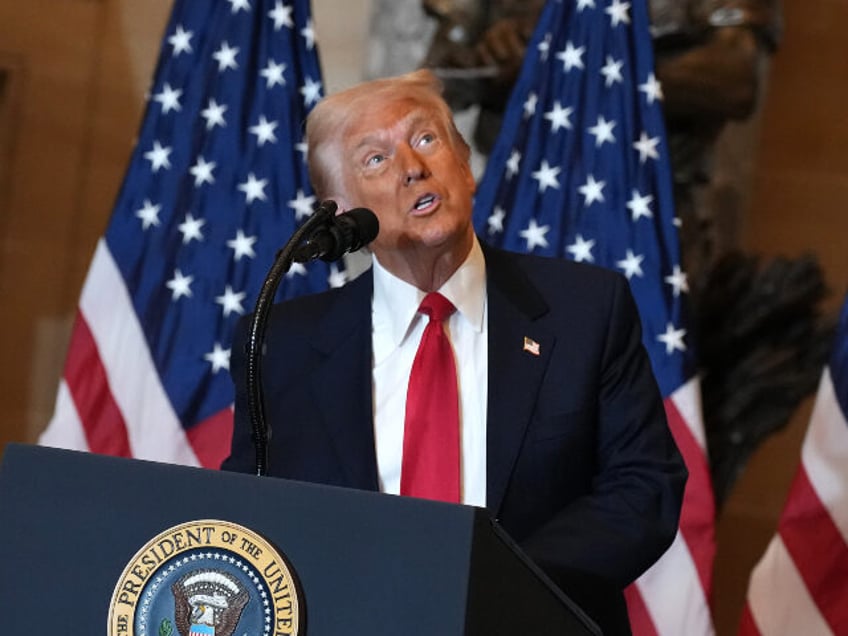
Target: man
(562, 434)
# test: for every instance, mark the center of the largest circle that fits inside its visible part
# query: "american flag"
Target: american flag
(581, 171)
(216, 184)
(800, 586)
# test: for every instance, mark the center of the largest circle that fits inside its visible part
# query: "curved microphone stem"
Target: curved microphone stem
(256, 334)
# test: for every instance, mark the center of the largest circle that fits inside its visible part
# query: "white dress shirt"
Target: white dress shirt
(397, 330)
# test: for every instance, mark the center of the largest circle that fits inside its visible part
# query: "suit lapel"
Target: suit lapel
(341, 382)
(516, 367)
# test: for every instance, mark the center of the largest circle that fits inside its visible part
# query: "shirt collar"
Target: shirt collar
(396, 302)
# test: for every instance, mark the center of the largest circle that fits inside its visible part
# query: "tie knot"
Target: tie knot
(436, 306)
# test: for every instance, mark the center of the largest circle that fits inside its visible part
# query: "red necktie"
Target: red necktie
(430, 467)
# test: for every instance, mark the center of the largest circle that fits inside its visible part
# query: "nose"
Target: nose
(413, 166)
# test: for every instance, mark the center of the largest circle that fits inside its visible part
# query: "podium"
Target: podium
(364, 563)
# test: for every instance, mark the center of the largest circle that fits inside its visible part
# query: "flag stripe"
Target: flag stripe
(151, 424)
(779, 601)
(696, 518)
(88, 384)
(640, 618)
(672, 592)
(818, 550)
(800, 585)
(210, 440)
(70, 434)
(825, 453)
(747, 626)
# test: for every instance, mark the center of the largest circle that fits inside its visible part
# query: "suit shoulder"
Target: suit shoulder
(555, 277)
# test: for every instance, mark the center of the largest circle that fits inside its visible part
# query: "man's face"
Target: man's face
(398, 160)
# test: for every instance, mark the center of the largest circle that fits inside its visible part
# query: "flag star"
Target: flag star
(308, 34)
(242, 245)
(592, 190)
(264, 131)
(558, 116)
(632, 264)
(652, 89)
(238, 5)
(149, 214)
(169, 98)
(302, 148)
(273, 74)
(495, 220)
(585, 4)
(639, 206)
(512, 164)
(311, 91)
(179, 285)
(602, 131)
(530, 105)
(617, 11)
(302, 205)
(535, 235)
(230, 301)
(202, 171)
(647, 147)
(581, 249)
(219, 357)
(158, 157)
(612, 71)
(546, 175)
(226, 57)
(336, 278)
(214, 114)
(296, 269)
(181, 41)
(673, 339)
(678, 281)
(190, 228)
(253, 188)
(571, 57)
(281, 15)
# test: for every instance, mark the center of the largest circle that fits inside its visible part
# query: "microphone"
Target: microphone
(340, 234)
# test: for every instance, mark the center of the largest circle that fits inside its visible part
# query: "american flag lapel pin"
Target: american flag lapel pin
(531, 346)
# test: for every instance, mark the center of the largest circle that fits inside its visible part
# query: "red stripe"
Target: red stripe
(747, 626)
(88, 384)
(210, 439)
(698, 514)
(640, 618)
(818, 550)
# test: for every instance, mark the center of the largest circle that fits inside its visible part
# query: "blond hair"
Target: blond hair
(326, 124)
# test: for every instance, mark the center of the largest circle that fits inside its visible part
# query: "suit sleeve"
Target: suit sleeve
(605, 539)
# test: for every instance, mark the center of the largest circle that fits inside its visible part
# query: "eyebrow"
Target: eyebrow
(411, 120)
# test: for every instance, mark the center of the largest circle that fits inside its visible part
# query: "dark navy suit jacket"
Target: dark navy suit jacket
(581, 468)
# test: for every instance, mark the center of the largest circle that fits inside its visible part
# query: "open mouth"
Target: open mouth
(424, 202)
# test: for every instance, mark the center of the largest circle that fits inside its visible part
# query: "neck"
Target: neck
(427, 268)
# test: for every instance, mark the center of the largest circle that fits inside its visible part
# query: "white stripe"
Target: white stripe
(673, 594)
(152, 426)
(825, 454)
(65, 429)
(687, 399)
(780, 603)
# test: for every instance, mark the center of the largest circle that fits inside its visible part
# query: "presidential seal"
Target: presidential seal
(206, 578)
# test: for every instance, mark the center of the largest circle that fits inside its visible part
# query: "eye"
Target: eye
(426, 139)
(374, 160)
